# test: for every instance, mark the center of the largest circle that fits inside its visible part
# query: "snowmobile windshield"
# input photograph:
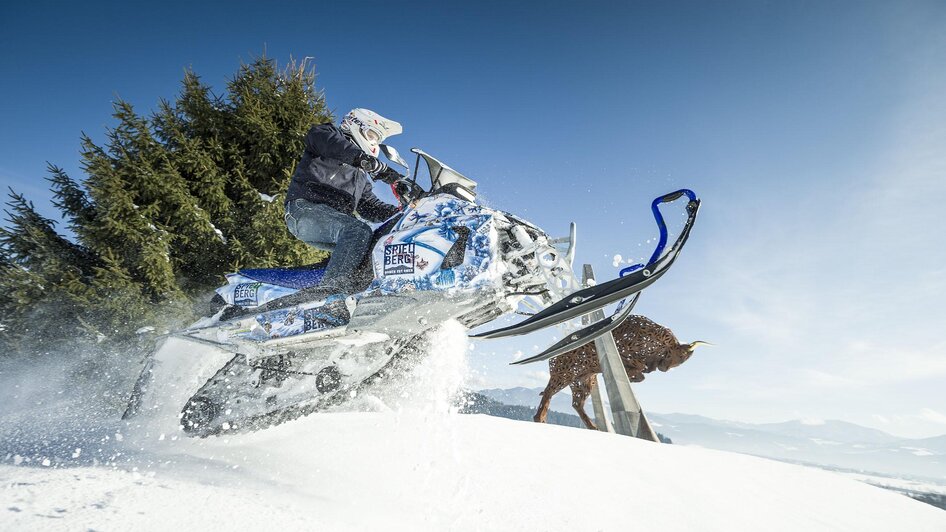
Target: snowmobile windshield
(444, 179)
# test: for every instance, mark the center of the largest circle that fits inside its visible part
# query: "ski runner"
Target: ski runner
(331, 183)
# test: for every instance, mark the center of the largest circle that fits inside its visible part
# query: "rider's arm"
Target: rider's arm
(373, 209)
(324, 140)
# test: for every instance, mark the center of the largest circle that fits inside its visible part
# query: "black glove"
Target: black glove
(389, 176)
(370, 164)
(403, 188)
(407, 190)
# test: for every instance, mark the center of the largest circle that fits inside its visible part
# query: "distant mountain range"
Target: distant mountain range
(477, 403)
(832, 444)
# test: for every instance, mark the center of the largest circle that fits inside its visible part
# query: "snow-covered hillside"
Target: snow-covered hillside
(828, 443)
(834, 444)
(426, 471)
(411, 463)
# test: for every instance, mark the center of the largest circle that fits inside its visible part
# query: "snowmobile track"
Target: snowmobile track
(399, 364)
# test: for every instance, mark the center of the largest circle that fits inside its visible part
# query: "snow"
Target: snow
(428, 471)
(218, 232)
(403, 459)
(919, 451)
(362, 338)
(819, 441)
(898, 483)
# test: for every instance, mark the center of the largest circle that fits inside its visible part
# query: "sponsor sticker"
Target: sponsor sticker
(245, 294)
(325, 317)
(280, 323)
(314, 320)
(398, 259)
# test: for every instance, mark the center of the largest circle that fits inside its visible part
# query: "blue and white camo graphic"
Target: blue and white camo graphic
(310, 317)
(249, 293)
(412, 255)
(410, 258)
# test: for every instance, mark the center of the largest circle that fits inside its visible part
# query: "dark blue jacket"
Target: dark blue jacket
(327, 175)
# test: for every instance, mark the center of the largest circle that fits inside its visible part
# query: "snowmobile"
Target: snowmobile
(299, 349)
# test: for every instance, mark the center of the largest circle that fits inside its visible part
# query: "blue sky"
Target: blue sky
(813, 131)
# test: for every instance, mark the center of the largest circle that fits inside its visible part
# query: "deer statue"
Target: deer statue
(644, 346)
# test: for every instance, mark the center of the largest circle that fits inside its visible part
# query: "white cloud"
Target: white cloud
(761, 300)
(535, 378)
(714, 382)
(874, 364)
(928, 414)
(821, 379)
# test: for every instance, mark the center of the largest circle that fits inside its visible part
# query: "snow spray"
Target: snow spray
(433, 383)
(62, 408)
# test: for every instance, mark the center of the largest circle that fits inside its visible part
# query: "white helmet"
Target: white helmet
(368, 129)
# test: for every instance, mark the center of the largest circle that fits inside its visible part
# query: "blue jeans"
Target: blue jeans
(344, 236)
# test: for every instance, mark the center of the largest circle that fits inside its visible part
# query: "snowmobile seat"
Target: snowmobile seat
(299, 277)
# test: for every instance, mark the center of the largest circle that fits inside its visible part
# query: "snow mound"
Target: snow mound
(428, 471)
(403, 459)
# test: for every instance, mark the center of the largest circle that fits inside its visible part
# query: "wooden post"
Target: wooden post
(628, 415)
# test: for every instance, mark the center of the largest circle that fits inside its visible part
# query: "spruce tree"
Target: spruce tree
(195, 245)
(121, 229)
(43, 280)
(170, 203)
(72, 202)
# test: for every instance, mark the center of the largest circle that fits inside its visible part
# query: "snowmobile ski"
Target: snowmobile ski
(584, 336)
(596, 297)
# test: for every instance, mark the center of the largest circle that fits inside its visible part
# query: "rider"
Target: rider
(331, 183)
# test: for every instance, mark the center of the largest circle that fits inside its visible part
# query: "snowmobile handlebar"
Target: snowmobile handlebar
(661, 225)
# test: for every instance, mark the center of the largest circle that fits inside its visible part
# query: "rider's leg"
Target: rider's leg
(308, 223)
(325, 228)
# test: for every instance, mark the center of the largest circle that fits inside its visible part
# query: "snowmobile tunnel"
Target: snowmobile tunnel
(298, 278)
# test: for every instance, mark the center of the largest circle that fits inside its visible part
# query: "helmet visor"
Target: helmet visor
(372, 135)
